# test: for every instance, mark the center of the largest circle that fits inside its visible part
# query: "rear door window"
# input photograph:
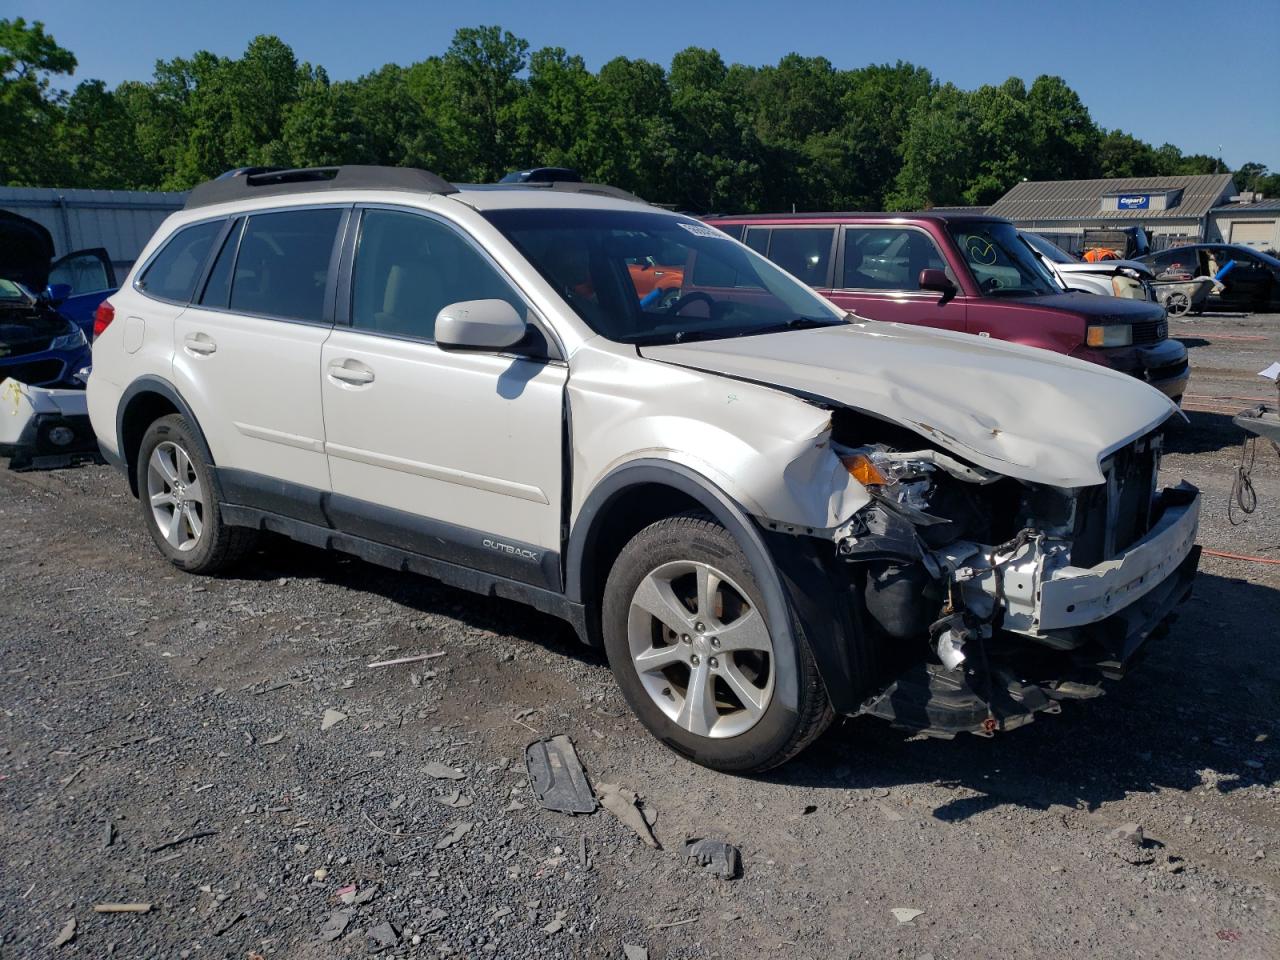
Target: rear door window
(282, 269)
(173, 272)
(804, 252)
(758, 239)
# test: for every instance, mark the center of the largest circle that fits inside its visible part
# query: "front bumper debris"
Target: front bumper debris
(1065, 630)
(43, 428)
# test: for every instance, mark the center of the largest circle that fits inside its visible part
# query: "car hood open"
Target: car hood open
(1020, 411)
(26, 250)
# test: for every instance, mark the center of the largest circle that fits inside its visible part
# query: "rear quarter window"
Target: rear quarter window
(173, 272)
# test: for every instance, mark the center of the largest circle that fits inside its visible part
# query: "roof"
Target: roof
(254, 183)
(1270, 205)
(1081, 199)
(969, 213)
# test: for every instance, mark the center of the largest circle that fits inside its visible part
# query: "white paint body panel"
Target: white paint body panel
(468, 438)
(257, 395)
(1019, 411)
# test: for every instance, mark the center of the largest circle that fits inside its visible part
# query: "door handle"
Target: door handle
(200, 343)
(351, 372)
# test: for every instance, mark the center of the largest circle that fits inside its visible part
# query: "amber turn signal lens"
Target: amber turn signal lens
(863, 470)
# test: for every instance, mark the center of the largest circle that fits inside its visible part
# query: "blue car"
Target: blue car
(46, 328)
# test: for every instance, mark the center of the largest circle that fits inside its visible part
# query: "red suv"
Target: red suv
(963, 272)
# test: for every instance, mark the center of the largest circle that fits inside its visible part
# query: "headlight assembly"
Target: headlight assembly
(69, 341)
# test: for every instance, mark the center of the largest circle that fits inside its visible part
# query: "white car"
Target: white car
(766, 510)
(1108, 278)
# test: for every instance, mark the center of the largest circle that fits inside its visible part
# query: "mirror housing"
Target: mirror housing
(937, 281)
(479, 325)
(56, 293)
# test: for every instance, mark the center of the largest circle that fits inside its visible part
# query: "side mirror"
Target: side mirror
(937, 281)
(479, 325)
(55, 293)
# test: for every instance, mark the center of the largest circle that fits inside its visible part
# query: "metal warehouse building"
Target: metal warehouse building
(1253, 222)
(1173, 210)
(121, 221)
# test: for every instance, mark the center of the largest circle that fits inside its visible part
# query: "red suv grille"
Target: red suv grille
(1150, 331)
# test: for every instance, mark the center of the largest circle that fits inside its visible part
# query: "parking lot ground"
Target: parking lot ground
(161, 743)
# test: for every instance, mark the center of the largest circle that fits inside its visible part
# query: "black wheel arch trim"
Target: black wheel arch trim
(150, 383)
(797, 582)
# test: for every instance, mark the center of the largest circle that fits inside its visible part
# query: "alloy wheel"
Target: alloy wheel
(701, 649)
(177, 496)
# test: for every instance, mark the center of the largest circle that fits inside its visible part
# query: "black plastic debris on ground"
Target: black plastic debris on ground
(715, 856)
(558, 779)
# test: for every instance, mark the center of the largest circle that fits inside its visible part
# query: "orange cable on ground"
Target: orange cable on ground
(1239, 556)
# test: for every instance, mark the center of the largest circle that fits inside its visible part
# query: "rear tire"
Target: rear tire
(182, 503)
(703, 673)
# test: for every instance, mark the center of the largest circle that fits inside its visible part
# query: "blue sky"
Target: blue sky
(1175, 71)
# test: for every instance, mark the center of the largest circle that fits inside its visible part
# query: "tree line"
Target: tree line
(701, 134)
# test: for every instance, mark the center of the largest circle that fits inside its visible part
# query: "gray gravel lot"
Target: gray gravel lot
(161, 743)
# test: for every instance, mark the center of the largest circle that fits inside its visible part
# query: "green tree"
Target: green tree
(481, 72)
(29, 105)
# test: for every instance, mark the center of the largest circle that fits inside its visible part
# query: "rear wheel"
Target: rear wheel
(181, 501)
(687, 634)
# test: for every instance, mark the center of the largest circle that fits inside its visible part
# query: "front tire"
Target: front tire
(686, 631)
(182, 502)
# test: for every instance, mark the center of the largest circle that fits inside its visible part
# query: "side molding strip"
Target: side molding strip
(463, 478)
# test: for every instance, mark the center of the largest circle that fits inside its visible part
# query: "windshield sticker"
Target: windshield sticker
(702, 230)
(980, 249)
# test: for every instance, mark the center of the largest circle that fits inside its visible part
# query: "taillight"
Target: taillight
(102, 318)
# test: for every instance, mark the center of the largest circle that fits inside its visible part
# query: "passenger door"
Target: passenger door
(91, 277)
(879, 278)
(1248, 282)
(247, 356)
(457, 455)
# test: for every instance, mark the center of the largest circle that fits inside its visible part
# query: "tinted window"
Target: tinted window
(587, 256)
(732, 229)
(409, 267)
(217, 289)
(173, 273)
(804, 253)
(86, 273)
(888, 258)
(758, 239)
(283, 265)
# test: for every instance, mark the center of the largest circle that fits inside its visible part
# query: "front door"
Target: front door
(1248, 281)
(879, 277)
(457, 455)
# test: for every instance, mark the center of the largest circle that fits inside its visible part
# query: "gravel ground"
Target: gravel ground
(161, 742)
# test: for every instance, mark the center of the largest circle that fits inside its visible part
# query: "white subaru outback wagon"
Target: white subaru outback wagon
(768, 511)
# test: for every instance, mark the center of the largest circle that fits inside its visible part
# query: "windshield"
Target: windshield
(647, 277)
(10, 291)
(1002, 265)
(1048, 249)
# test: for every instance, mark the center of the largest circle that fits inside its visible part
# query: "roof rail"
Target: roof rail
(245, 183)
(567, 186)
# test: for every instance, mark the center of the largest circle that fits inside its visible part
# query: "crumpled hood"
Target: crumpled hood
(1020, 411)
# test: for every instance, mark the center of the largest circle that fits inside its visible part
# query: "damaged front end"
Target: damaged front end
(992, 599)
